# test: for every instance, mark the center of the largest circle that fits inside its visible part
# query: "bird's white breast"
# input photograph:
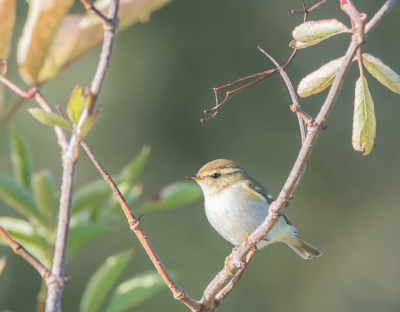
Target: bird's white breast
(234, 214)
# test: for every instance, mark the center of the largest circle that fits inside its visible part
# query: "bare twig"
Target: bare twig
(21, 251)
(90, 7)
(277, 208)
(228, 288)
(134, 224)
(34, 92)
(303, 118)
(263, 75)
(70, 156)
(383, 11)
(292, 93)
(306, 11)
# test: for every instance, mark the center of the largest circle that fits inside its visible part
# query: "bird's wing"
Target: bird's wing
(256, 187)
(262, 191)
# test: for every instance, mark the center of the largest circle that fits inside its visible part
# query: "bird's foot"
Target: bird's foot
(245, 238)
(227, 266)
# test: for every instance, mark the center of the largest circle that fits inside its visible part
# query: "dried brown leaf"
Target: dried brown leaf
(43, 20)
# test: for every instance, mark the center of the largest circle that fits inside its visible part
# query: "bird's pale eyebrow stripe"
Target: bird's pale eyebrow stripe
(222, 171)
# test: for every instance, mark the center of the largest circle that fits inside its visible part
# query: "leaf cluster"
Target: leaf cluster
(364, 122)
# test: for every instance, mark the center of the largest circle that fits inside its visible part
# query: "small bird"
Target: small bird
(236, 205)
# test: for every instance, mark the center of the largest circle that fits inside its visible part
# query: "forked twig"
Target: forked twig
(21, 251)
(263, 74)
(277, 208)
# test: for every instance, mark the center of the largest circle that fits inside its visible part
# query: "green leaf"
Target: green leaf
(364, 124)
(102, 281)
(74, 104)
(3, 261)
(49, 119)
(89, 122)
(81, 233)
(44, 191)
(20, 157)
(18, 197)
(320, 79)
(173, 195)
(313, 32)
(135, 291)
(39, 30)
(91, 193)
(382, 72)
(22, 231)
(132, 171)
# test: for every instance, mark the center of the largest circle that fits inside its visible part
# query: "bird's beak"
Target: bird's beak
(196, 177)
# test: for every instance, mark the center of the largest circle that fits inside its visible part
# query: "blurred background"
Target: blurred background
(159, 82)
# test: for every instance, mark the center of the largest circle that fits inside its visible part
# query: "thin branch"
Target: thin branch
(263, 75)
(306, 11)
(90, 7)
(295, 107)
(384, 10)
(228, 288)
(70, 157)
(277, 208)
(134, 224)
(292, 93)
(21, 251)
(34, 92)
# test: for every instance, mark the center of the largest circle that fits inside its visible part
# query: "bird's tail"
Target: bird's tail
(305, 250)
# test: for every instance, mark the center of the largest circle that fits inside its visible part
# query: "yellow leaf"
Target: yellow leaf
(382, 72)
(7, 20)
(78, 34)
(43, 19)
(364, 124)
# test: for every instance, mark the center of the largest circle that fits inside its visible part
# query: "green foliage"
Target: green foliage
(89, 122)
(75, 105)
(102, 281)
(133, 292)
(82, 232)
(18, 197)
(173, 195)
(43, 186)
(20, 158)
(49, 119)
(92, 217)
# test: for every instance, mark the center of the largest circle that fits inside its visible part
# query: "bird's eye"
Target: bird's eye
(216, 175)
